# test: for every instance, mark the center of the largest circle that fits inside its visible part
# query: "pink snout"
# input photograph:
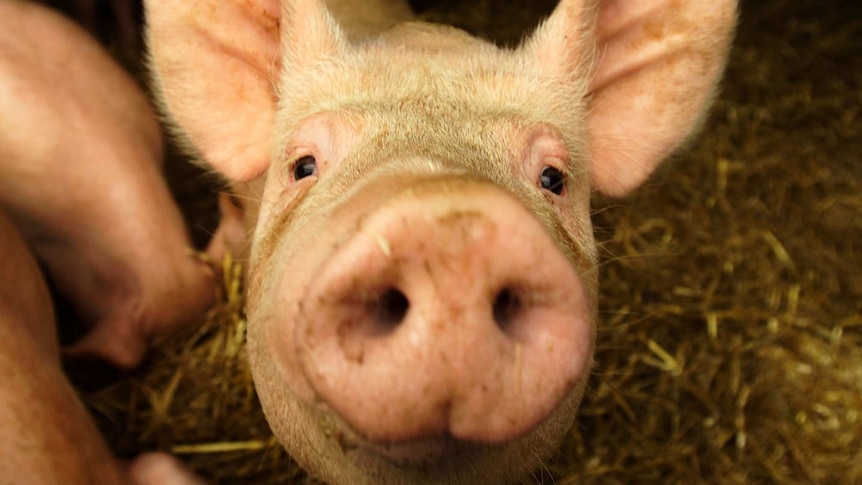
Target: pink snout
(446, 315)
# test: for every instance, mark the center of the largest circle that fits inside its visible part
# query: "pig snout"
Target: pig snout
(446, 316)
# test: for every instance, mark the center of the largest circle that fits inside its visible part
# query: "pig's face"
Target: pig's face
(422, 272)
(380, 281)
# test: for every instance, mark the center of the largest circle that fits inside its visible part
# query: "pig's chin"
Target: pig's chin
(427, 455)
(328, 449)
(444, 459)
(352, 459)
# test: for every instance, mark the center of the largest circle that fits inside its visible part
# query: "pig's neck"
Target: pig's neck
(370, 17)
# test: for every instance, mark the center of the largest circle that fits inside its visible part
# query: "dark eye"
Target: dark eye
(553, 180)
(304, 167)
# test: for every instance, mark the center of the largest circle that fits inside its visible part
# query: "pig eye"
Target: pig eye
(304, 167)
(553, 180)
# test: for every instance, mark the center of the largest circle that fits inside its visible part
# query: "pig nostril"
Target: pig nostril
(505, 307)
(391, 308)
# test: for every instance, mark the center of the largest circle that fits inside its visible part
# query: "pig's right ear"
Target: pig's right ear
(658, 63)
(215, 65)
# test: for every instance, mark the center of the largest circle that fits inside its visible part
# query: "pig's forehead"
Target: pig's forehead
(484, 140)
(426, 119)
(481, 81)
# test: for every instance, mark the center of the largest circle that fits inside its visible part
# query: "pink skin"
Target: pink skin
(80, 191)
(50, 437)
(377, 348)
(80, 177)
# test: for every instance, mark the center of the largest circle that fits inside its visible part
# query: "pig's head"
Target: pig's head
(422, 274)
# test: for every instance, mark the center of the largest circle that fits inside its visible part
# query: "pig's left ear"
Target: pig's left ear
(657, 65)
(215, 64)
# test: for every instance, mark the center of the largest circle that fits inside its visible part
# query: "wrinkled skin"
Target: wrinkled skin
(422, 270)
(81, 192)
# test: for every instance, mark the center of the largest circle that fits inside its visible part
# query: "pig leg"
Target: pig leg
(47, 435)
(80, 154)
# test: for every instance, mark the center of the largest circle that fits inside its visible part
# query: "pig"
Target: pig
(83, 203)
(80, 159)
(422, 278)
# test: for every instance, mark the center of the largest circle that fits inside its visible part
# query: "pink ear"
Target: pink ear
(658, 65)
(214, 63)
(309, 33)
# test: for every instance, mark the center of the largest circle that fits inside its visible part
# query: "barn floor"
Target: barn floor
(730, 341)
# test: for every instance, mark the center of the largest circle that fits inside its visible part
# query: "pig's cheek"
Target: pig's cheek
(280, 197)
(274, 192)
(574, 215)
(280, 315)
